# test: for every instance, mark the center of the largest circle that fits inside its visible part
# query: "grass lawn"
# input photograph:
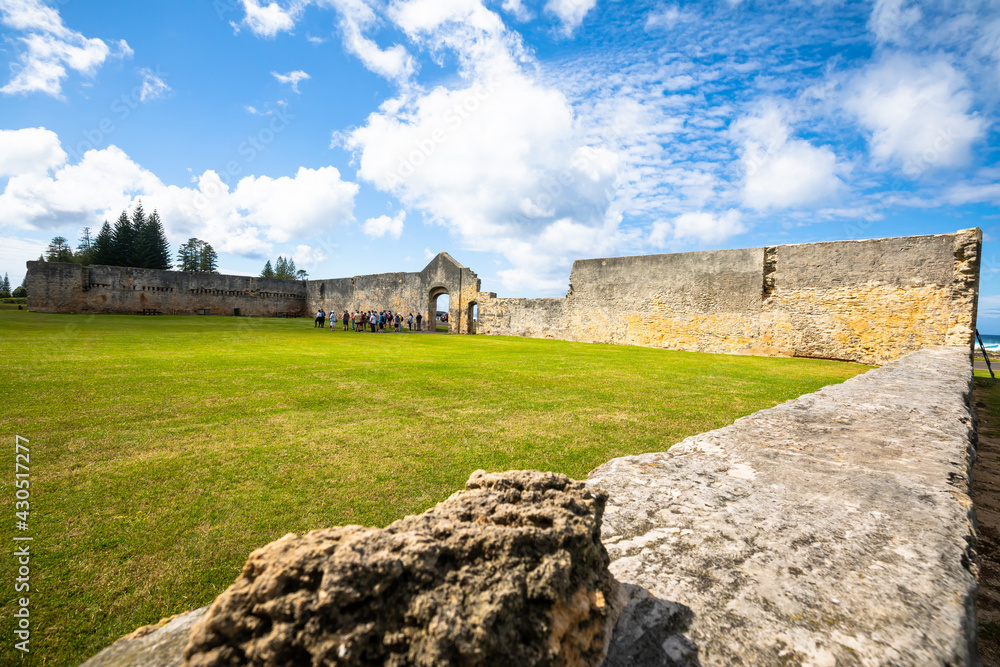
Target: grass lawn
(164, 449)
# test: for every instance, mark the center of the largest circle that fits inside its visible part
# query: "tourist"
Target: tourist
(320, 319)
(346, 317)
(373, 322)
(409, 322)
(399, 323)
(419, 317)
(333, 322)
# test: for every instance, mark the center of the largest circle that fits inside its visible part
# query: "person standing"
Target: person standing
(409, 322)
(419, 317)
(319, 319)
(345, 318)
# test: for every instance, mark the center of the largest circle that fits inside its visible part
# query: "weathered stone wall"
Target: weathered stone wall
(837, 528)
(70, 288)
(865, 301)
(402, 292)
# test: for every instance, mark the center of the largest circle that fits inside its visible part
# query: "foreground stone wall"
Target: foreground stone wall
(834, 529)
(864, 301)
(837, 528)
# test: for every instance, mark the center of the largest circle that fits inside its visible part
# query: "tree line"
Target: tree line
(285, 269)
(137, 241)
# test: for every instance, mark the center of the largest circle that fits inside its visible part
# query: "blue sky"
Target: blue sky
(363, 136)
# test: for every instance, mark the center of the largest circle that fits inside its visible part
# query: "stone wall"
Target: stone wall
(837, 528)
(865, 301)
(70, 288)
(402, 292)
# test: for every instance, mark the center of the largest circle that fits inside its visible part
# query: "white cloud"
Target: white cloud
(668, 17)
(780, 171)
(15, 251)
(308, 256)
(378, 227)
(243, 220)
(29, 151)
(270, 19)
(917, 114)
(891, 20)
(701, 226)
(708, 227)
(292, 78)
(153, 86)
(50, 48)
(517, 8)
(570, 12)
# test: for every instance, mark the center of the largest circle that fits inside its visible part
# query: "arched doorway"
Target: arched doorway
(439, 310)
(472, 318)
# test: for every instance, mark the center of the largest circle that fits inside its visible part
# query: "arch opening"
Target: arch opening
(438, 317)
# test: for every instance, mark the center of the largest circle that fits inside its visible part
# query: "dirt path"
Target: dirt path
(986, 495)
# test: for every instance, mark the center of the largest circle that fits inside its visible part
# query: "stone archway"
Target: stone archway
(430, 317)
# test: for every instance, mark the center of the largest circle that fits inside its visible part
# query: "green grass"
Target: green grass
(165, 449)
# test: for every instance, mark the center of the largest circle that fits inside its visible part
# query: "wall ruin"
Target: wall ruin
(865, 301)
(71, 288)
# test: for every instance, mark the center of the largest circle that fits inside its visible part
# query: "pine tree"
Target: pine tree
(5, 287)
(151, 244)
(59, 250)
(268, 272)
(208, 260)
(123, 242)
(301, 274)
(85, 250)
(285, 269)
(101, 252)
(187, 256)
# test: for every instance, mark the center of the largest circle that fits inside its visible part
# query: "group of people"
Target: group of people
(370, 321)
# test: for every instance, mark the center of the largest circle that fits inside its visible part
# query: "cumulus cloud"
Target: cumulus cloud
(292, 78)
(383, 225)
(268, 20)
(29, 151)
(50, 49)
(153, 86)
(498, 158)
(48, 193)
(570, 12)
(918, 114)
(781, 171)
(702, 226)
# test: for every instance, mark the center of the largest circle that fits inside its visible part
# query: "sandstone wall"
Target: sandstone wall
(837, 528)
(70, 288)
(865, 301)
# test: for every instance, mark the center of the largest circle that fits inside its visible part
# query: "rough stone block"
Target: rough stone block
(510, 570)
(835, 529)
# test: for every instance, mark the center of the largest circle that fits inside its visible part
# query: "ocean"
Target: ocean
(991, 343)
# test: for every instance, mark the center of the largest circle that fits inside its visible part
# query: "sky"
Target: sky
(364, 136)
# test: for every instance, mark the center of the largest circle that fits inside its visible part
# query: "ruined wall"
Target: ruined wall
(402, 292)
(70, 288)
(865, 301)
